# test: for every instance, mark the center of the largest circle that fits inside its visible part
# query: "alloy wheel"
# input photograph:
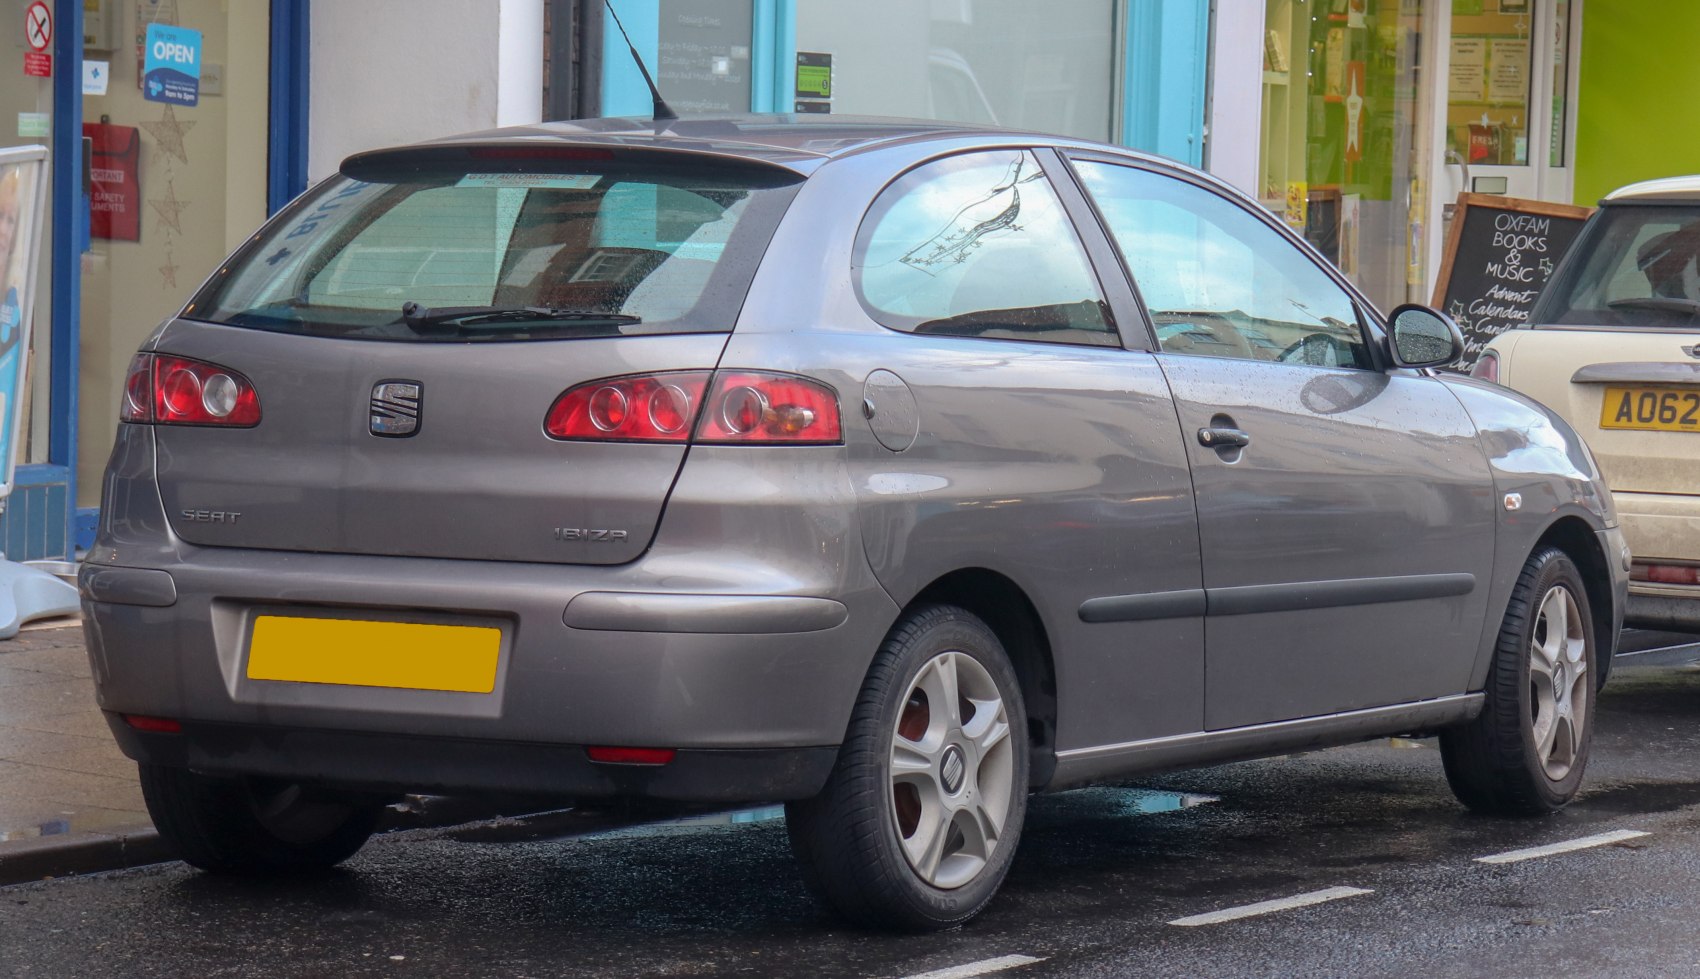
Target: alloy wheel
(952, 770)
(1559, 682)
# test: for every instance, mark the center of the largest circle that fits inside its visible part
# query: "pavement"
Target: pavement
(70, 802)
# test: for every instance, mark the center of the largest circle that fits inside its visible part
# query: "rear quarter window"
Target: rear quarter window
(979, 245)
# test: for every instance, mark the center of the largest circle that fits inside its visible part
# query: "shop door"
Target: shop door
(177, 179)
(1507, 87)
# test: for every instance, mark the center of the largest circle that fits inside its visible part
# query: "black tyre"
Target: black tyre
(1526, 752)
(253, 826)
(918, 824)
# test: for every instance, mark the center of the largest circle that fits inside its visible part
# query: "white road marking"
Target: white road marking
(980, 968)
(1602, 839)
(1270, 907)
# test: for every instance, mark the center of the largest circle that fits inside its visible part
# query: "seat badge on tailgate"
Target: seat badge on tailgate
(396, 406)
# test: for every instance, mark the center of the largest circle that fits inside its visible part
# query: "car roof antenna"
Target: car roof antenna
(663, 111)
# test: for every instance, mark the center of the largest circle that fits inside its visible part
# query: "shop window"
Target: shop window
(1046, 67)
(1219, 282)
(979, 245)
(1487, 101)
(177, 182)
(1342, 160)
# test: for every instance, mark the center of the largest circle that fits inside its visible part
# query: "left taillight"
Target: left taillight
(164, 390)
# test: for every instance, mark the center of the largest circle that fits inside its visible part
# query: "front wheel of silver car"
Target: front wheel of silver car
(1525, 753)
(919, 821)
(254, 826)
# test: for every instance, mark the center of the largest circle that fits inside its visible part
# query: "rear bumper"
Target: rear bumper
(399, 763)
(740, 638)
(1660, 525)
(1664, 612)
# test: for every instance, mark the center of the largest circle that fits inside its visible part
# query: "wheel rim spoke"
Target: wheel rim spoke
(990, 822)
(939, 683)
(909, 758)
(1546, 734)
(987, 727)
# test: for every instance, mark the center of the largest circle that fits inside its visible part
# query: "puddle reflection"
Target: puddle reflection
(687, 824)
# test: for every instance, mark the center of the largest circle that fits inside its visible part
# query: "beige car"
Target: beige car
(1614, 346)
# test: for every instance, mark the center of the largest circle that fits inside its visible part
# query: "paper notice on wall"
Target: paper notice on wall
(1508, 80)
(1468, 82)
(96, 75)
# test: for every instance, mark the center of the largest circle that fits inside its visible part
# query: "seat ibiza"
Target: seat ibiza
(892, 470)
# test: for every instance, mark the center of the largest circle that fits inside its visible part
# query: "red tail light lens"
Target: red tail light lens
(740, 408)
(1487, 367)
(615, 755)
(637, 408)
(756, 408)
(1665, 574)
(138, 390)
(166, 390)
(154, 725)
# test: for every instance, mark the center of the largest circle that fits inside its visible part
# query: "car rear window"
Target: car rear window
(445, 249)
(1636, 265)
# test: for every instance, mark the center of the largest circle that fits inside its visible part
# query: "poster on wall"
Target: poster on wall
(23, 205)
(115, 187)
(171, 72)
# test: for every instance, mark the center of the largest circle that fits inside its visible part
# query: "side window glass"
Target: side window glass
(1217, 281)
(979, 245)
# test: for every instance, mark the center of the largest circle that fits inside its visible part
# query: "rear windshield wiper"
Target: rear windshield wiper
(1663, 304)
(428, 320)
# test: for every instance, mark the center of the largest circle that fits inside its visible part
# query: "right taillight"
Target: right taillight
(1487, 367)
(161, 389)
(759, 408)
(724, 407)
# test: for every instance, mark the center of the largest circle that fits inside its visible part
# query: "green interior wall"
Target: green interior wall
(1639, 80)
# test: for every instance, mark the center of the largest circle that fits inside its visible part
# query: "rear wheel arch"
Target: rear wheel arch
(1579, 542)
(1006, 609)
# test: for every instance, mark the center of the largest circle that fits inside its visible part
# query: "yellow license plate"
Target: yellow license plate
(364, 653)
(1651, 409)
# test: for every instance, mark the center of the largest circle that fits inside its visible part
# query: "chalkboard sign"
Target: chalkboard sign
(1501, 251)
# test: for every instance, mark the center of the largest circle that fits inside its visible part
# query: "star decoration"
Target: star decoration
(1354, 112)
(170, 209)
(168, 274)
(169, 132)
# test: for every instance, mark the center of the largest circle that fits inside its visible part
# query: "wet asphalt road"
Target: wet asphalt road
(1092, 890)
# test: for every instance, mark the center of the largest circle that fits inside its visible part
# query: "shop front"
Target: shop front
(1124, 71)
(174, 128)
(1376, 114)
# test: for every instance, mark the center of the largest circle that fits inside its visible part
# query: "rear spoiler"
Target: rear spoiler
(521, 155)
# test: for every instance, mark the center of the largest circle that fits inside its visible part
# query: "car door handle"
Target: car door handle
(1223, 438)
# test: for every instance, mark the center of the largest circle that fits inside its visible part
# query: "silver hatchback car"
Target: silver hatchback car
(893, 470)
